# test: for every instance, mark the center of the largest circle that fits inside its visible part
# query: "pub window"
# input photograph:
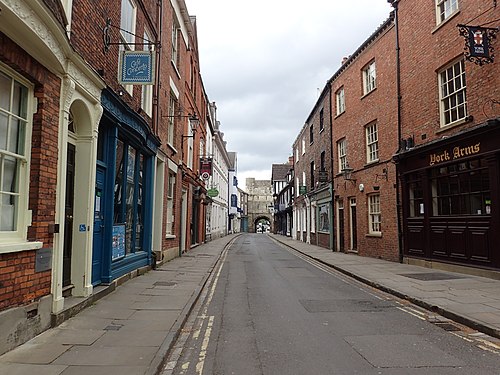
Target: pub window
(416, 195)
(374, 215)
(461, 189)
(452, 93)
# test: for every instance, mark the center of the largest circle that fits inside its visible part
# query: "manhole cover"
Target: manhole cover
(165, 283)
(432, 276)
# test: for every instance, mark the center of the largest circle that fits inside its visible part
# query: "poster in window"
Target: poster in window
(118, 244)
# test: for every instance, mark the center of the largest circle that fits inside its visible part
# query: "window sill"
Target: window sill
(170, 236)
(368, 93)
(175, 69)
(371, 163)
(339, 114)
(444, 128)
(442, 23)
(13, 247)
(375, 235)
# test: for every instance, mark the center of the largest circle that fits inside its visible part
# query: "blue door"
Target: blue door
(97, 252)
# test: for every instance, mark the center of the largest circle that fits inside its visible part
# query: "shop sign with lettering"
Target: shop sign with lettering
(454, 153)
(137, 68)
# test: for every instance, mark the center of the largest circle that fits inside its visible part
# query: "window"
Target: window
(127, 26)
(374, 214)
(303, 146)
(416, 195)
(453, 101)
(147, 90)
(445, 8)
(369, 78)
(170, 203)
(297, 154)
(322, 166)
(371, 143)
(172, 106)
(311, 134)
(340, 98)
(342, 152)
(175, 42)
(324, 218)
(312, 168)
(321, 120)
(461, 189)
(15, 133)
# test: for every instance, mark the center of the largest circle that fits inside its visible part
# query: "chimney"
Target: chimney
(344, 60)
(290, 160)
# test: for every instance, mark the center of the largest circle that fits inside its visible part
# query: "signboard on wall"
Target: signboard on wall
(137, 68)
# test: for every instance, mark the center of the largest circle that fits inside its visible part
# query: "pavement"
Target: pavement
(131, 330)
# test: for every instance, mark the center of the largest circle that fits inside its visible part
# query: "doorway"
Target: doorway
(68, 217)
(340, 226)
(353, 225)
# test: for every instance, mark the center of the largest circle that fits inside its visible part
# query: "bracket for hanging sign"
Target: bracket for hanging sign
(478, 43)
(106, 36)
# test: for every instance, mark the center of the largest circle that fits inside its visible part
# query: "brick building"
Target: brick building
(450, 161)
(97, 175)
(364, 108)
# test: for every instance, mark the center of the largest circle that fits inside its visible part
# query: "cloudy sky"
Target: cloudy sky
(264, 63)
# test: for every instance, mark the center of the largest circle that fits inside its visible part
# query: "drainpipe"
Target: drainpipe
(395, 4)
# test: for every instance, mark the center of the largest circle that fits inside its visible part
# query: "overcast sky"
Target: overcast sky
(264, 63)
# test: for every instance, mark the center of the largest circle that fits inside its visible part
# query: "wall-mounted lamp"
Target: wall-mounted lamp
(347, 174)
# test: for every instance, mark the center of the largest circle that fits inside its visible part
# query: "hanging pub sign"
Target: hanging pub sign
(478, 43)
(137, 68)
(205, 168)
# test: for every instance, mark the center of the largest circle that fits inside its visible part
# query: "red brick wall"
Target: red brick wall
(19, 284)
(425, 48)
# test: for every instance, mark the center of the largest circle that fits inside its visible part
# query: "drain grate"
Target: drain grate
(165, 283)
(432, 276)
(450, 327)
(113, 327)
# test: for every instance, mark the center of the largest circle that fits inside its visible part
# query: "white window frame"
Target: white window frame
(147, 90)
(175, 42)
(297, 154)
(303, 145)
(374, 215)
(169, 225)
(369, 78)
(340, 99)
(342, 154)
(445, 9)
(371, 131)
(171, 118)
(16, 239)
(452, 99)
(128, 13)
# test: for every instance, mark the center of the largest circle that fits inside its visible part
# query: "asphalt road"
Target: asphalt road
(268, 311)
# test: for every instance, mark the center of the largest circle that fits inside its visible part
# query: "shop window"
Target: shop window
(128, 195)
(461, 189)
(15, 135)
(170, 203)
(324, 217)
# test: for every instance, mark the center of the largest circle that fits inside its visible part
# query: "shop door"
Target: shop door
(68, 221)
(98, 226)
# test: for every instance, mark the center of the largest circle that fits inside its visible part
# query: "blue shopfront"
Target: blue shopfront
(123, 191)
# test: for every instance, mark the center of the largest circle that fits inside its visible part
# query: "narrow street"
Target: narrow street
(268, 311)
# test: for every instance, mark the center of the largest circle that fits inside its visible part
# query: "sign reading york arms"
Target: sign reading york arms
(454, 153)
(478, 43)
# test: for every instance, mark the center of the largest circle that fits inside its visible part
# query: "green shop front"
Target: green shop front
(123, 192)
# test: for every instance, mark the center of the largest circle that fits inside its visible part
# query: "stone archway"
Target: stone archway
(262, 224)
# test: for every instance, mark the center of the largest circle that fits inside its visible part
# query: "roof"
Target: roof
(279, 172)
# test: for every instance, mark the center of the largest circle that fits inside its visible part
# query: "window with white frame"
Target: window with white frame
(371, 143)
(321, 120)
(297, 154)
(172, 106)
(452, 93)
(170, 203)
(15, 139)
(303, 146)
(445, 8)
(374, 217)
(340, 98)
(342, 154)
(127, 26)
(369, 78)
(175, 42)
(147, 90)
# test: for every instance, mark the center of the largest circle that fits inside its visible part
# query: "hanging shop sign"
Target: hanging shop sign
(205, 168)
(478, 43)
(137, 68)
(212, 193)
